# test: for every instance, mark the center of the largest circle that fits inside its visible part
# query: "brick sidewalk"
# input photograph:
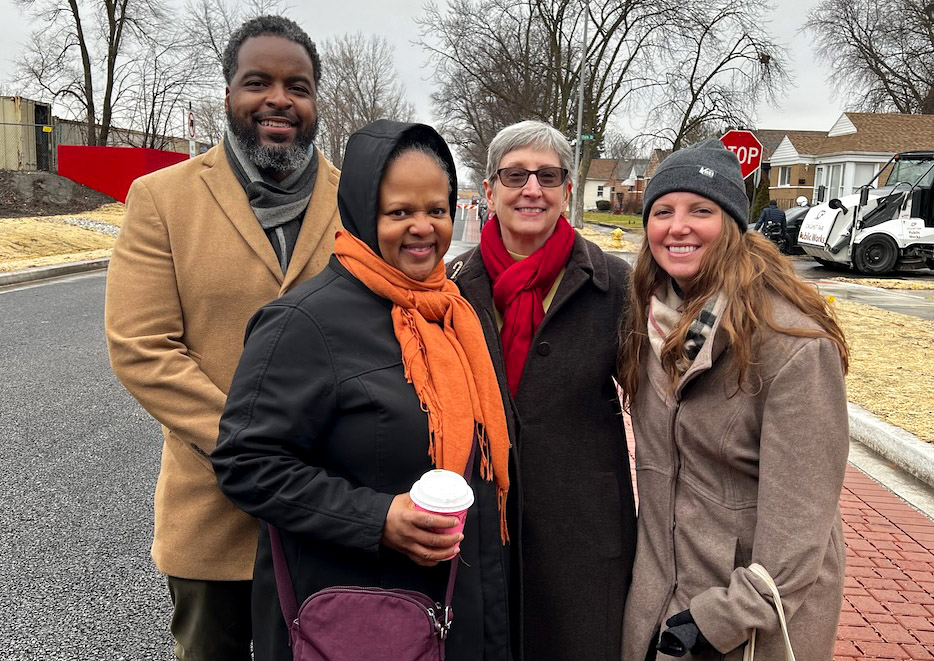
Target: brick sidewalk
(888, 599)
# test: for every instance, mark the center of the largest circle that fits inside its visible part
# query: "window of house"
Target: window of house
(863, 174)
(819, 179)
(835, 181)
(784, 176)
(599, 191)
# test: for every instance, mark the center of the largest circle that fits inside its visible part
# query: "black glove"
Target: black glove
(682, 635)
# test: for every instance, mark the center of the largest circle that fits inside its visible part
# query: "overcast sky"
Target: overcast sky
(807, 105)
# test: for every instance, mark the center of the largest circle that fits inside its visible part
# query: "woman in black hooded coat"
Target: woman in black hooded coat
(321, 431)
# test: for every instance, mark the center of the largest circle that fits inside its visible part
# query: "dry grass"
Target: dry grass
(40, 241)
(605, 240)
(886, 284)
(891, 366)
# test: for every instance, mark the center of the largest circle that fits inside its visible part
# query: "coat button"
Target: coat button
(544, 349)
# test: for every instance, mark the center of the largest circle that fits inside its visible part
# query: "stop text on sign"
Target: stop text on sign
(747, 148)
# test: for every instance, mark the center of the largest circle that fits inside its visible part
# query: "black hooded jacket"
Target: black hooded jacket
(321, 431)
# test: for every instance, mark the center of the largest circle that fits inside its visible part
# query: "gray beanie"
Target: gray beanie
(707, 168)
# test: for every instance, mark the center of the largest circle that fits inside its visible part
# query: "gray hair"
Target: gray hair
(530, 133)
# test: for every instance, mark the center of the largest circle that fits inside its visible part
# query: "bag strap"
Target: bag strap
(456, 560)
(750, 652)
(289, 604)
(280, 566)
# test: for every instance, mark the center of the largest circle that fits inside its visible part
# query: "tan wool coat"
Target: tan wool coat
(190, 267)
(728, 478)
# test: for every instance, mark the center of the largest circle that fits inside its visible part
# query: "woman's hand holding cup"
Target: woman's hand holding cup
(412, 531)
(427, 523)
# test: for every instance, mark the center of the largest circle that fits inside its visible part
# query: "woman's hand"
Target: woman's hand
(411, 531)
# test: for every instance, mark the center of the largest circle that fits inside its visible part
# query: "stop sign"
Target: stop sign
(747, 148)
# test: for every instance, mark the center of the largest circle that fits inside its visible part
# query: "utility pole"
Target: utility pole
(576, 220)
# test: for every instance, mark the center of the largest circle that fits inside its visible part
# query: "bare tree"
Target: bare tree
(212, 119)
(490, 57)
(77, 56)
(715, 69)
(879, 53)
(524, 59)
(620, 146)
(165, 73)
(209, 23)
(359, 85)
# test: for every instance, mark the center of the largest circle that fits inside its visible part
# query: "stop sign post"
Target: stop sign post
(747, 148)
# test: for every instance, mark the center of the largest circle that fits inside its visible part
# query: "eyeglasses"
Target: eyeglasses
(547, 177)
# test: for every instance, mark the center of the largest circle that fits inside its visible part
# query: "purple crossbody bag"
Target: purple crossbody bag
(347, 623)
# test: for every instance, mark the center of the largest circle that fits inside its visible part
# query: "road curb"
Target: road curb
(54, 271)
(902, 448)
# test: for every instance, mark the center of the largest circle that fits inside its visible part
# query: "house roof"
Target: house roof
(883, 132)
(771, 138)
(867, 132)
(601, 169)
(626, 167)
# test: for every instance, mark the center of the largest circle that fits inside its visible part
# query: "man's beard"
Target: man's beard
(275, 158)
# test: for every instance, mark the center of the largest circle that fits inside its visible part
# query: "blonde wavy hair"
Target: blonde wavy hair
(748, 269)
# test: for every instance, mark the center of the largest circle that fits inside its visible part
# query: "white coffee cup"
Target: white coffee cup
(443, 492)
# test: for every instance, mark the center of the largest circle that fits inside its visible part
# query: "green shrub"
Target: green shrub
(603, 205)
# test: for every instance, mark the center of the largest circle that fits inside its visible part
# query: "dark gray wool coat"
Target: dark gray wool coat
(321, 431)
(572, 520)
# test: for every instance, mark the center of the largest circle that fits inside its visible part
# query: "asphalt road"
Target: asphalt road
(78, 462)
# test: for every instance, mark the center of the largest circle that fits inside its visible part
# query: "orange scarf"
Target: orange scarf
(448, 364)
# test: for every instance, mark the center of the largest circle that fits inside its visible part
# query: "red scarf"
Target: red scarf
(520, 287)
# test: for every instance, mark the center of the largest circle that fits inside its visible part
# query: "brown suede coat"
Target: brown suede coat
(190, 267)
(729, 479)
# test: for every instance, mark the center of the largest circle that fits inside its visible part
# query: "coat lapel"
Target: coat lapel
(579, 270)
(230, 196)
(316, 224)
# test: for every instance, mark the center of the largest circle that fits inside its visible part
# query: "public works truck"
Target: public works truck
(878, 230)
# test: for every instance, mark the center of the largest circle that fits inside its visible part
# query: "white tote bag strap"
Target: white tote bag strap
(749, 654)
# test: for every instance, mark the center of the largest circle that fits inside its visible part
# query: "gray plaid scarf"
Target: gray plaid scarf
(279, 206)
(665, 315)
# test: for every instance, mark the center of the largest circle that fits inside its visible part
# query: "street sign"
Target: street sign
(587, 136)
(191, 133)
(747, 148)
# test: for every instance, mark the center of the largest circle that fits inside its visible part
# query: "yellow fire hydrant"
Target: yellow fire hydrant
(618, 238)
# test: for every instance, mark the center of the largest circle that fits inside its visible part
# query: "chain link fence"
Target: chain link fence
(28, 147)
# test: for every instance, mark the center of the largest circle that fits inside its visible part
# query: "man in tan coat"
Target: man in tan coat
(203, 245)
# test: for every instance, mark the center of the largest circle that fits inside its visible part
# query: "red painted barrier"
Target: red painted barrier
(111, 170)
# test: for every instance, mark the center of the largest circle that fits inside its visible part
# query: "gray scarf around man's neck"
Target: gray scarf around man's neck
(279, 206)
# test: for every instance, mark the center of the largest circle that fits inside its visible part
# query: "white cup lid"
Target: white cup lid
(442, 491)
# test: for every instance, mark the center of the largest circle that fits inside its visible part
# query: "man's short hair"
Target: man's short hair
(275, 26)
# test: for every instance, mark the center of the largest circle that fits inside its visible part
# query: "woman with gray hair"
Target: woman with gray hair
(549, 302)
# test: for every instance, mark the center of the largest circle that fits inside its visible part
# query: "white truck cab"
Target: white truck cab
(878, 230)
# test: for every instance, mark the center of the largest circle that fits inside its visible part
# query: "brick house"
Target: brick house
(618, 181)
(844, 158)
(630, 184)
